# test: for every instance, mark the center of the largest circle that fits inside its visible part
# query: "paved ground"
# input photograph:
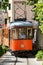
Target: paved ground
(10, 60)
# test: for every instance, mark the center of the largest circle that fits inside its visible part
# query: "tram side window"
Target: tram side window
(29, 33)
(14, 33)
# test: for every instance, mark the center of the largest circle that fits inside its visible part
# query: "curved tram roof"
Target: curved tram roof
(20, 24)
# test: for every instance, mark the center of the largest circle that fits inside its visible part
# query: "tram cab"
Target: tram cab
(20, 37)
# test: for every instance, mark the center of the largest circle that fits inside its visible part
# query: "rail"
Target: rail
(17, 60)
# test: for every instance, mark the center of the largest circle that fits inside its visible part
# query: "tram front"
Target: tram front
(21, 37)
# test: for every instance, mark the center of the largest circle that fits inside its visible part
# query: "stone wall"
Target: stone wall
(40, 39)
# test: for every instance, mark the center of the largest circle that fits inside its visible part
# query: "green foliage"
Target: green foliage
(4, 4)
(42, 63)
(0, 4)
(2, 50)
(39, 13)
(5, 0)
(39, 55)
(38, 9)
(31, 2)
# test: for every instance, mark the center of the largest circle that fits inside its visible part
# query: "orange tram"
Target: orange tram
(20, 38)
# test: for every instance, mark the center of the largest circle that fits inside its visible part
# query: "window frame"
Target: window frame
(22, 30)
(11, 37)
(27, 33)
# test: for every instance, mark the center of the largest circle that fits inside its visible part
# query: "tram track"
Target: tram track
(17, 61)
(12, 60)
(27, 62)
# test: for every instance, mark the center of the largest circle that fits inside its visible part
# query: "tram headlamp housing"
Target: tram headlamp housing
(22, 45)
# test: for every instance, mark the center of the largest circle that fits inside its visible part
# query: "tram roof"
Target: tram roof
(20, 24)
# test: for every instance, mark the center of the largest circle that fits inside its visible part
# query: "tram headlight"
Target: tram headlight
(22, 45)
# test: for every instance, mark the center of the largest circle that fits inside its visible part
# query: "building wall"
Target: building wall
(29, 13)
(10, 11)
(3, 15)
(40, 39)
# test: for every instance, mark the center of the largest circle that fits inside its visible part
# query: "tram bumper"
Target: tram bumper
(21, 53)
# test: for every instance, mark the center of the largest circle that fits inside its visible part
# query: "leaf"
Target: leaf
(4, 4)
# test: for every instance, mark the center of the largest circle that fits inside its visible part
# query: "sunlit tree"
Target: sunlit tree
(38, 9)
(31, 2)
(4, 4)
(39, 13)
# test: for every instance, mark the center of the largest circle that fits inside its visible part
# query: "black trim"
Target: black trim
(20, 19)
(22, 39)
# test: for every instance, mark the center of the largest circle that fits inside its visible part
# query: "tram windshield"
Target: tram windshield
(21, 33)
